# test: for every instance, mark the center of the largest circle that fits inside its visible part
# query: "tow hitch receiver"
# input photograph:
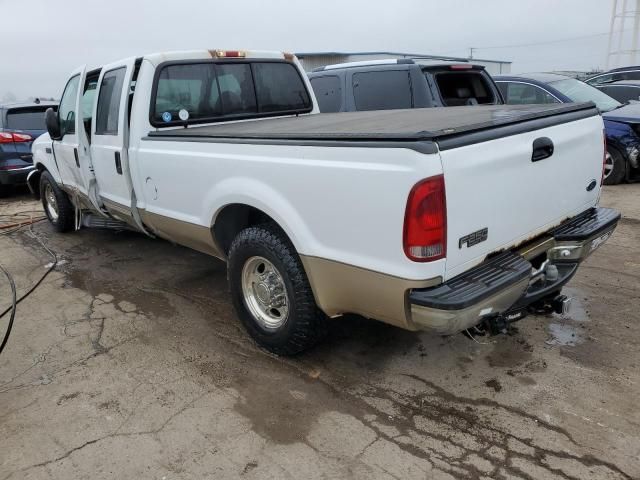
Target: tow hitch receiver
(497, 324)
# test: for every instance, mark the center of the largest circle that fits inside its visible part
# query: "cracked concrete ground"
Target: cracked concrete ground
(128, 362)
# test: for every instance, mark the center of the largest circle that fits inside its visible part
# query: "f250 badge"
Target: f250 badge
(473, 238)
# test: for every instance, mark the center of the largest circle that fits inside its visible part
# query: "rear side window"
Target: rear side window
(382, 90)
(212, 92)
(328, 93)
(26, 119)
(109, 98)
(622, 93)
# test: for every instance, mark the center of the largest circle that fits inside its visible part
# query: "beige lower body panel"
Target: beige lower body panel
(340, 288)
(183, 233)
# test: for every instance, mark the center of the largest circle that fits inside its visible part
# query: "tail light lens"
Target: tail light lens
(425, 221)
(11, 137)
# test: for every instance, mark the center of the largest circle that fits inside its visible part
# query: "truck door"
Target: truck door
(109, 140)
(70, 150)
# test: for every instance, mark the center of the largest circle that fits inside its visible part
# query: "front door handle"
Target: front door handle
(75, 154)
(542, 148)
(118, 163)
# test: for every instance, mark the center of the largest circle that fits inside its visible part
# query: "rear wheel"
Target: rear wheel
(5, 190)
(271, 293)
(615, 167)
(56, 204)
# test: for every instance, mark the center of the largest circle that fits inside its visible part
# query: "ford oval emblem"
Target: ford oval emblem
(593, 184)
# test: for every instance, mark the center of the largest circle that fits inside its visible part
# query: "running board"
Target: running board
(89, 220)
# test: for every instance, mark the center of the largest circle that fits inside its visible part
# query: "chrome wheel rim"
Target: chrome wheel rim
(608, 165)
(265, 293)
(51, 202)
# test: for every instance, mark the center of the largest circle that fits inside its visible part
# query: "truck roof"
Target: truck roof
(411, 125)
(160, 57)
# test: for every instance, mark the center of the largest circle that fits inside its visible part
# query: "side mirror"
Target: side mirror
(53, 125)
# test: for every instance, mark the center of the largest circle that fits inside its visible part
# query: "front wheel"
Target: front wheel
(615, 167)
(56, 204)
(271, 293)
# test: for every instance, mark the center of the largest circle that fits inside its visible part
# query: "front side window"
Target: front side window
(383, 90)
(108, 110)
(523, 94)
(211, 92)
(67, 108)
(328, 93)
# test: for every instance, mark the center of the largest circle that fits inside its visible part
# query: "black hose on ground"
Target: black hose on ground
(16, 300)
(12, 308)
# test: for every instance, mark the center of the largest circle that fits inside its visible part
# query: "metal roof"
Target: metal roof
(540, 77)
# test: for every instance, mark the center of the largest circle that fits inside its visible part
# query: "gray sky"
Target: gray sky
(46, 40)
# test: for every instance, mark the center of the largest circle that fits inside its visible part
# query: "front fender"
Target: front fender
(621, 136)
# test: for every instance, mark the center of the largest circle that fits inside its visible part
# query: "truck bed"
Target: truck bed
(450, 127)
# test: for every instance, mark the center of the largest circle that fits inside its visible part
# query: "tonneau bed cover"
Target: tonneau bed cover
(447, 125)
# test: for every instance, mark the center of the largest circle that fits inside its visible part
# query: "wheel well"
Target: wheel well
(235, 218)
(34, 181)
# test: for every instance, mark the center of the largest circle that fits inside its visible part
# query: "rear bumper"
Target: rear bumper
(15, 177)
(509, 281)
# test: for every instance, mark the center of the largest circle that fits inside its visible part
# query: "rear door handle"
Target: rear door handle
(542, 148)
(118, 163)
(75, 154)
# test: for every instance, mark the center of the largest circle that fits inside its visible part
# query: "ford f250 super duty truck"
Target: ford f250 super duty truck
(434, 219)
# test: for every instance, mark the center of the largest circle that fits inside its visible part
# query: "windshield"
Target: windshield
(578, 91)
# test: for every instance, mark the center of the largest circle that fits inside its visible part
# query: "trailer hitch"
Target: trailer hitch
(499, 324)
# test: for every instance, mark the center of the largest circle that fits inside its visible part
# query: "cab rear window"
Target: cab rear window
(210, 92)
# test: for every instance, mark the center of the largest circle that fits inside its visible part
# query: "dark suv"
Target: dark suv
(402, 83)
(20, 125)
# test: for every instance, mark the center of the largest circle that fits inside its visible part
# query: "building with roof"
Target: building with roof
(313, 60)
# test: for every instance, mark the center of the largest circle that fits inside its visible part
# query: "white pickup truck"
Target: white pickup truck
(434, 219)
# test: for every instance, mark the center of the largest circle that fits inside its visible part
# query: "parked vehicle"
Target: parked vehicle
(631, 72)
(401, 83)
(20, 124)
(622, 122)
(624, 91)
(428, 219)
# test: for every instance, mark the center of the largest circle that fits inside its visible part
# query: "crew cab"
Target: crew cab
(434, 219)
(402, 83)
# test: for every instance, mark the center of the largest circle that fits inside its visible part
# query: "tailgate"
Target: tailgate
(496, 185)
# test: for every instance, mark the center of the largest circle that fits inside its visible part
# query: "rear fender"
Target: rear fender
(256, 194)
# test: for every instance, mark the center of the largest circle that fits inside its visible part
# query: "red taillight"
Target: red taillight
(9, 137)
(425, 221)
(21, 137)
(604, 156)
(464, 66)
